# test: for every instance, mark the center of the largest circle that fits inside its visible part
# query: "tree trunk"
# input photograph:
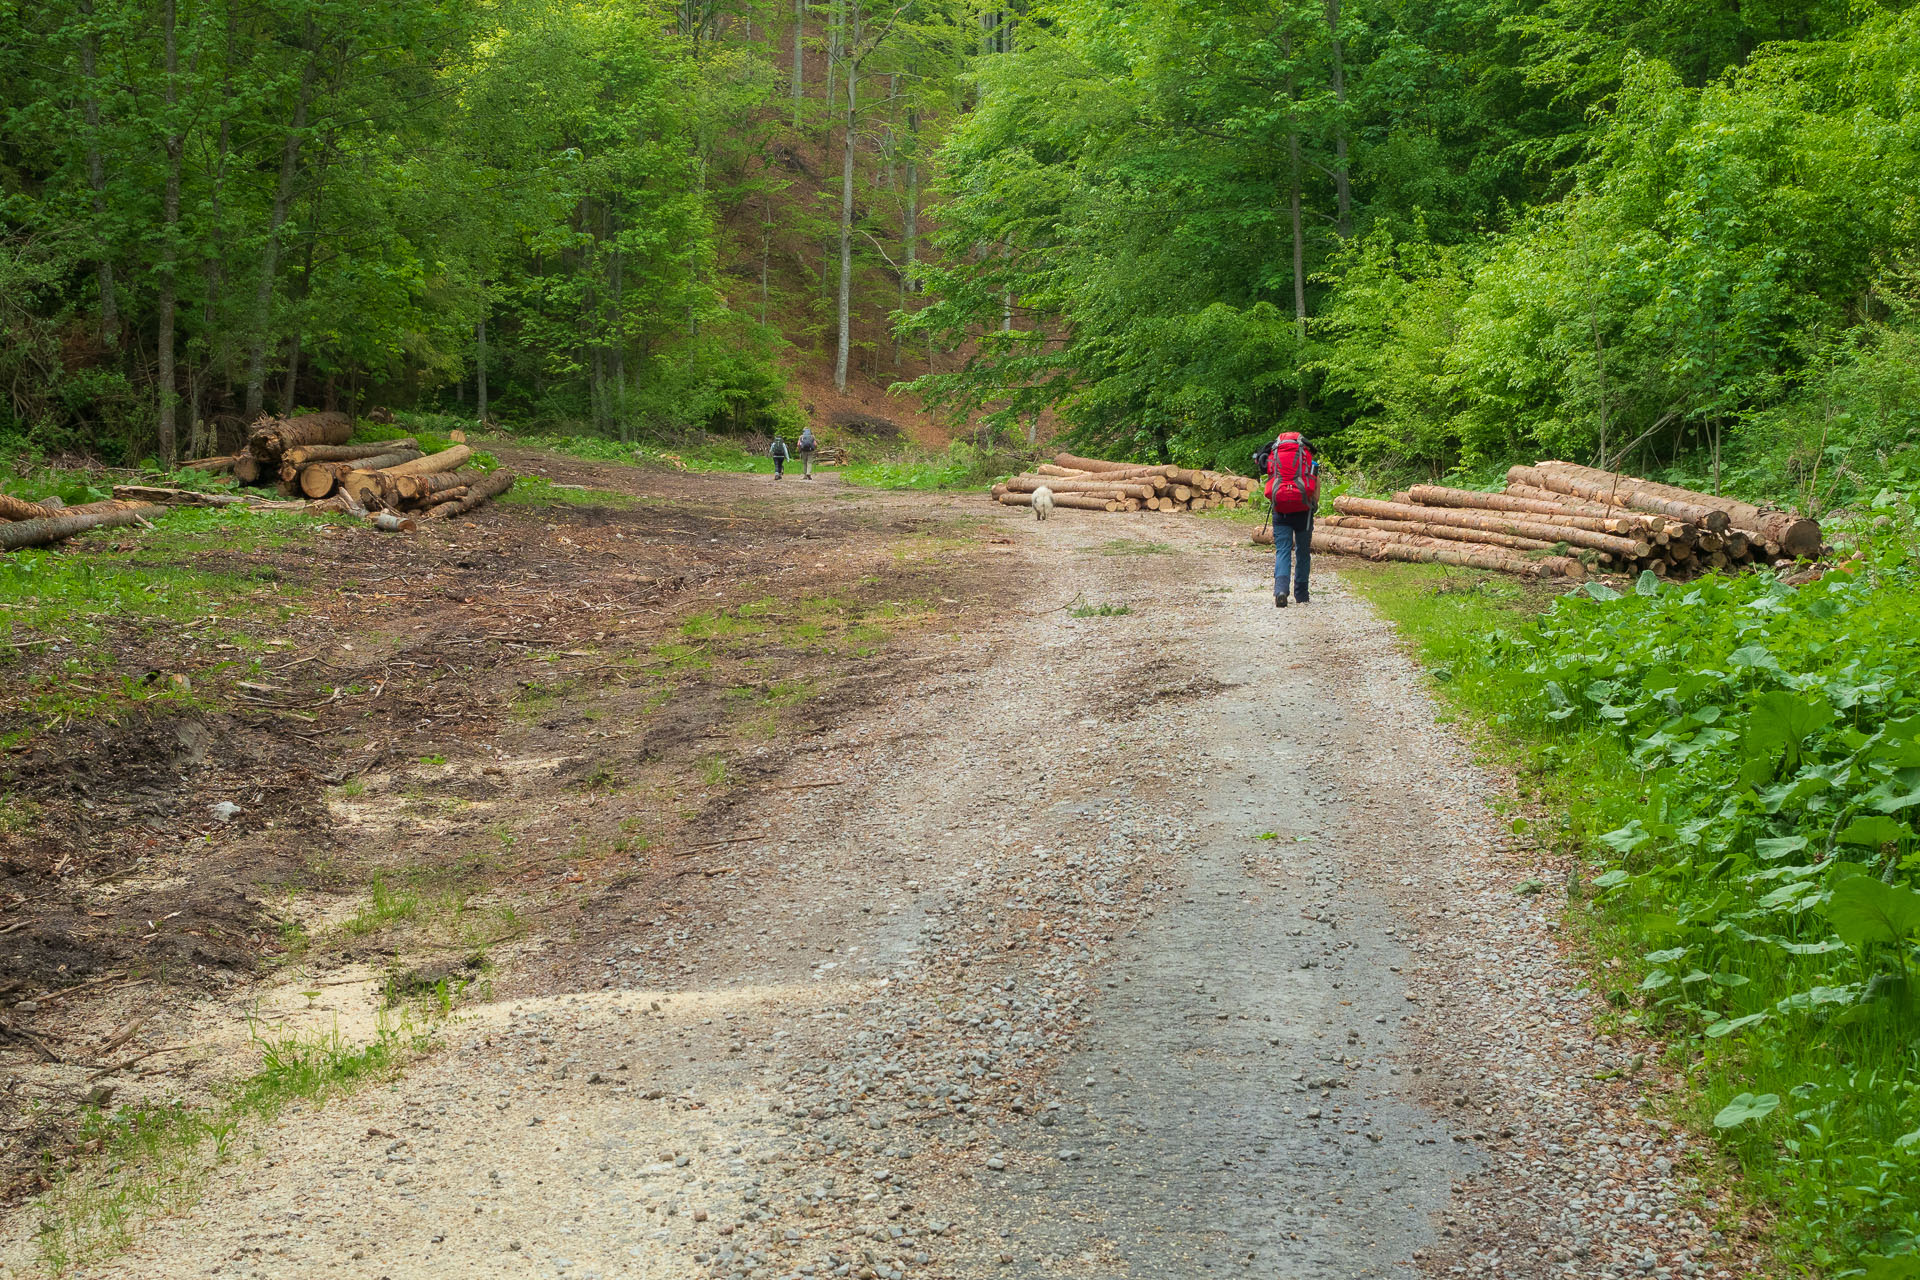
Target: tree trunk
(1598, 518)
(1299, 228)
(169, 231)
(1497, 522)
(799, 61)
(491, 485)
(270, 253)
(1621, 491)
(1796, 535)
(97, 177)
(1342, 184)
(39, 533)
(846, 211)
(1378, 547)
(480, 366)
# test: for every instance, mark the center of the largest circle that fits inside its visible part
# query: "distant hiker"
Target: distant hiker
(780, 455)
(1293, 487)
(807, 445)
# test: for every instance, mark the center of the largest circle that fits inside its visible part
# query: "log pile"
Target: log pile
(1090, 484)
(1562, 520)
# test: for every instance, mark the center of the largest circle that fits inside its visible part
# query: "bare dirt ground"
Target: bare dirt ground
(840, 901)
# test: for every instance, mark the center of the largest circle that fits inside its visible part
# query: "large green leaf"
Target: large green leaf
(1864, 911)
(1746, 1107)
(1875, 830)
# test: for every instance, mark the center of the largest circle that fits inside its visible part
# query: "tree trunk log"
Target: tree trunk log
(420, 488)
(1441, 532)
(1380, 548)
(223, 463)
(1075, 501)
(1797, 535)
(12, 508)
(318, 479)
(449, 495)
(1090, 464)
(1497, 522)
(1100, 488)
(272, 437)
(446, 460)
(301, 456)
(50, 529)
(163, 497)
(1624, 523)
(488, 486)
(1618, 494)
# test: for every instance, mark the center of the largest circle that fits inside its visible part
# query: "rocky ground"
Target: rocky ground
(1179, 941)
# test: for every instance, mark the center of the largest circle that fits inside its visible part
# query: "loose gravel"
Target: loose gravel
(1177, 943)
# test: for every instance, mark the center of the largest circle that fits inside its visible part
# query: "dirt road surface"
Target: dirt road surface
(1176, 941)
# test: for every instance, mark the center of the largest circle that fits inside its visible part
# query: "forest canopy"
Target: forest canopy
(1664, 236)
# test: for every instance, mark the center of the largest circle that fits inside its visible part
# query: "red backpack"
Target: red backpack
(1293, 479)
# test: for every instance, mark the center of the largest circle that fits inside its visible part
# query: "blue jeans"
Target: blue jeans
(1292, 550)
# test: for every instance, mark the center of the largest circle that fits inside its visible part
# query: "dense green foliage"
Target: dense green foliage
(1742, 761)
(1666, 235)
(595, 214)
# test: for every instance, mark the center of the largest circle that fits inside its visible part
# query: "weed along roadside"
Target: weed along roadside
(1727, 770)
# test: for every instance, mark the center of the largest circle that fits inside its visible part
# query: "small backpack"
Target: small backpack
(1293, 477)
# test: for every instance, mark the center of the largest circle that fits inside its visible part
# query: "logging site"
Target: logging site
(959, 640)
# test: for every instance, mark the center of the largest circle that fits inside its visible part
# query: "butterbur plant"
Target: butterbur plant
(1758, 850)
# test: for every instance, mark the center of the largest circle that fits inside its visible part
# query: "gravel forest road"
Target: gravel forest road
(1174, 943)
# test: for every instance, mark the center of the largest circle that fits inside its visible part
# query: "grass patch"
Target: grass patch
(154, 1160)
(1135, 547)
(1738, 764)
(961, 466)
(1102, 610)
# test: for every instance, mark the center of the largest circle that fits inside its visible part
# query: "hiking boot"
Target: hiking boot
(1300, 600)
(1279, 600)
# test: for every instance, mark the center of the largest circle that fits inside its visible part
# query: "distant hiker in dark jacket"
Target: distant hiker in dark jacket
(778, 449)
(1293, 487)
(807, 446)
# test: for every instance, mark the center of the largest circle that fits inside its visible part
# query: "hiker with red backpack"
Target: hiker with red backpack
(1293, 487)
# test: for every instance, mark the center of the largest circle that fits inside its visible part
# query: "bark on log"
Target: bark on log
(1104, 488)
(272, 437)
(318, 479)
(12, 508)
(1075, 501)
(387, 522)
(446, 460)
(300, 457)
(1497, 522)
(1625, 523)
(1065, 473)
(488, 486)
(162, 497)
(1441, 532)
(1618, 494)
(1088, 464)
(1372, 548)
(50, 529)
(449, 495)
(1796, 534)
(222, 463)
(247, 469)
(420, 488)
(370, 489)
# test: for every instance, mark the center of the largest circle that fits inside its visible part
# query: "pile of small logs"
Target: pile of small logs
(1089, 484)
(309, 456)
(1562, 520)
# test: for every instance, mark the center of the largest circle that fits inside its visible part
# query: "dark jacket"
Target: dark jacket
(807, 443)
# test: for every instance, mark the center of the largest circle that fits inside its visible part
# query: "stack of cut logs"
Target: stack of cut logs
(1088, 484)
(310, 456)
(1561, 520)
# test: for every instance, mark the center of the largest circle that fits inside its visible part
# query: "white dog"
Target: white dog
(1042, 503)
